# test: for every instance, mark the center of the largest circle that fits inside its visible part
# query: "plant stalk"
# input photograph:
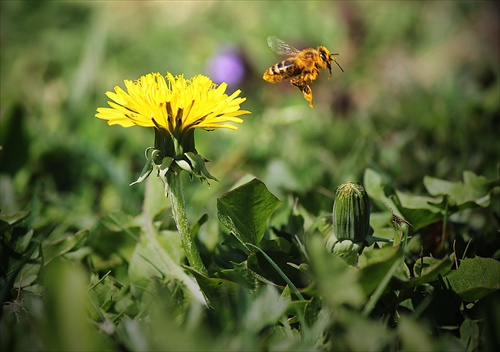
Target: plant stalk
(176, 196)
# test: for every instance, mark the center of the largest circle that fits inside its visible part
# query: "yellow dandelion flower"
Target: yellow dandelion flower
(174, 107)
(173, 103)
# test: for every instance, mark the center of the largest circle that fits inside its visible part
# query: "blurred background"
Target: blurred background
(419, 96)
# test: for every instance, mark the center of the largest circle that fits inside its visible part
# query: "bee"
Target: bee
(301, 67)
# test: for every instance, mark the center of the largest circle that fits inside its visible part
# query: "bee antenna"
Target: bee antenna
(333, 59)
(341, 69)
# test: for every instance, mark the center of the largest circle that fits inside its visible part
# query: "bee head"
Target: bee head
(325, 57)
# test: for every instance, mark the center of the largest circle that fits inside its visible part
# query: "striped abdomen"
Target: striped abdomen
(282, 70)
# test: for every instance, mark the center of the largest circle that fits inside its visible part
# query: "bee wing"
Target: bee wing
(280, 47)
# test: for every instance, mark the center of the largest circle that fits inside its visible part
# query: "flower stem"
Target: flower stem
(180, 216)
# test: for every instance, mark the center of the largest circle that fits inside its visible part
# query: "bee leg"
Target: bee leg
(304, 88)
(308, 94)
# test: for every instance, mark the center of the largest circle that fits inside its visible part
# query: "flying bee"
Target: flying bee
(301, 67)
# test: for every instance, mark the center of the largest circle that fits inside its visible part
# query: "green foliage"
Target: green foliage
(475, 278)
(88, 262)
(255, 300)
(246, 210)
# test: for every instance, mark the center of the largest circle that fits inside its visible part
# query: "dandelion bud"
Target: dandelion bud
(351, 213)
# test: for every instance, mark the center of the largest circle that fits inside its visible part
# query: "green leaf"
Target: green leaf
(158, 254)
(20, 241)
(147, 262)
(239, 274)
(312, 310)
(475, 278)
(422, 210)
(267, 308)
(374, 186)
(374, 266)
(429, 269)
(470, 334)
(154, 198)
(13, 233)
(323, 224)
(372, 182)
(411, 201)
(195, 228)
(218, 291)
(414, 336)
(59, 247)
(25, 264)
(246, 210)
(337, 281)
(474, 189)
(102, 293)
(419, 210)
(8, 220)
(29, 274)
(275, 269)
(374, 337)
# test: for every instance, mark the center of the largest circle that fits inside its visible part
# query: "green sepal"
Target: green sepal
(162, 171)
(347, 250)
(152, 159)
(191, 162)
(198, 168)
(184, 165)
(165, 166)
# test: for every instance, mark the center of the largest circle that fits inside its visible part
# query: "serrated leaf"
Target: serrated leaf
(475, 278)
(473, 189)
(246, 210)
(218, 291)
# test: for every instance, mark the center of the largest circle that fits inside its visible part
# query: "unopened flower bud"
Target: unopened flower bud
(351, 213)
